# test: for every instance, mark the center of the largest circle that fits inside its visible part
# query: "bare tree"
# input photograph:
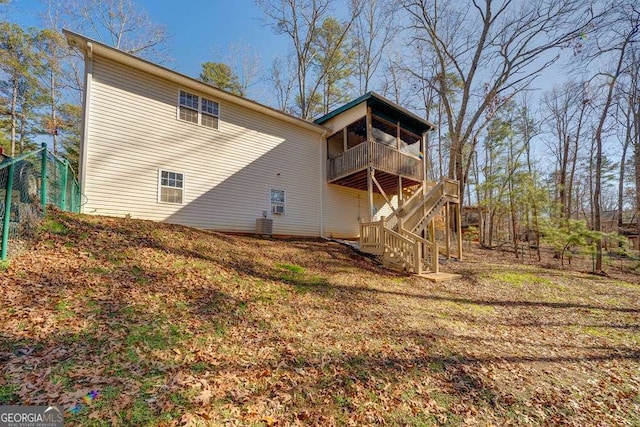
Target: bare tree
(123, 24)
(566, 108)
(634, 98)
(245, 61)
(611, 51)
(301, 21)
(628, 99)
(282, 78)
(495, 49)
(625, 119)
(375, 28)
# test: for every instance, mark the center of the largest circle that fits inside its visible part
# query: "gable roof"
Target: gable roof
(92, 47)
(381, 103)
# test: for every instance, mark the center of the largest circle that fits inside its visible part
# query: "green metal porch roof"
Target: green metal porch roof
(385, 106)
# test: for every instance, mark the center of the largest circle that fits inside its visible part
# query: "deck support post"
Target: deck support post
(435, 266)
(459, 230)
(370, 192)
(400, 204)
(447, 228)
(423, 156)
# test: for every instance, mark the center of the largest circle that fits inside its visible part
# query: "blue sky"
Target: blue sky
(202, 30)
(201, 27)
(198, 28)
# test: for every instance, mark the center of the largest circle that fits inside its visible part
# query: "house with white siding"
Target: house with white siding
(159, 145)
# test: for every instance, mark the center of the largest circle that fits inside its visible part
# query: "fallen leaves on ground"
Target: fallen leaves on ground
(131, 322)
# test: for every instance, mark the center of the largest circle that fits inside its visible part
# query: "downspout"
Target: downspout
(323, 173)
(86, 100)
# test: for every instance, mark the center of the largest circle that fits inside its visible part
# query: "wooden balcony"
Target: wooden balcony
(379, 156)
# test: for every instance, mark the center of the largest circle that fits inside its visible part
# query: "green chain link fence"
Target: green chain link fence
(28, 183)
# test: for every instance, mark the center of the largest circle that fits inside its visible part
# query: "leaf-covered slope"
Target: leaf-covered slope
(139, 323)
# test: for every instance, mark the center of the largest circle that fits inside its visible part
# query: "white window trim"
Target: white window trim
(184, 186)
(284, 203)
(199, 110)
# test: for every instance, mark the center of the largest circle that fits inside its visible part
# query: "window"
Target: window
(209, 113)
(171, 187)
(195, 109)
(188, 107)
(277, 202)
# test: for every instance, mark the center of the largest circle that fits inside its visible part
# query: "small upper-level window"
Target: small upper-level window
(188, 107)
(210, 112)
(198, 110)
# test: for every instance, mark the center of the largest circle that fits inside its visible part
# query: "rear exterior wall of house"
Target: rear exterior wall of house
(222, 178)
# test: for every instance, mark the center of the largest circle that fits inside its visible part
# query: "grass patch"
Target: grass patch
(64, 310)
(519, 279)
(8, 394)
(153, 336)
(298, 277)
(53, 226)
(292, 268)
(98, 270)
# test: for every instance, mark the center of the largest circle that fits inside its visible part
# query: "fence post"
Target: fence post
(43, 179)
(63, 185)
(72, 207)
(7, 213)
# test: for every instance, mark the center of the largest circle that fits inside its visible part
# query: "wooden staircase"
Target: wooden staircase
(399, 239)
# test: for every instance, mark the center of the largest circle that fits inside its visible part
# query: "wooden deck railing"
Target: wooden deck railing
(446, 189)
(381, 157)
(451, 188)
(372, 237)
(352, 160)
(402, 251)
(414, 216)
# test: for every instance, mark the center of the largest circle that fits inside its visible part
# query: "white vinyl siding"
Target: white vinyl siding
(346, 118)
(230, 172)
(344, 208)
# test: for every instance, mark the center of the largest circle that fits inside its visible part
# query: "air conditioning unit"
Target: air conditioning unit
(264, 226)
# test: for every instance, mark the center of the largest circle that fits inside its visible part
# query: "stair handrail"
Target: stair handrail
(453, 182)
(417, 249)
(393, 217)
(432, 245)
(437, 190)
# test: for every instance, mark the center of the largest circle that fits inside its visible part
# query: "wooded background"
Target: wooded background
(560, 164)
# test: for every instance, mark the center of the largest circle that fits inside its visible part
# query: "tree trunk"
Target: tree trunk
(623, 162)
(597, 193)
(14, 116)
(636, 161)
(54, 118)
(562, 179)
